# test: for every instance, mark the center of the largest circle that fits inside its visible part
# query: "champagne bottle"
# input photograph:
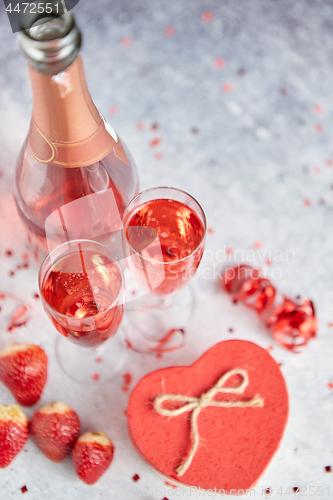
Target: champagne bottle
(74, 176)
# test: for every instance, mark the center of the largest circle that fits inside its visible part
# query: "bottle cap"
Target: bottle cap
(50, 41)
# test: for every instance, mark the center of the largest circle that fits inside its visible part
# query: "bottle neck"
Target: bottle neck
(63, 110)
(66, 128)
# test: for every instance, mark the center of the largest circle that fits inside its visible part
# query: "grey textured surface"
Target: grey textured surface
(256, 161)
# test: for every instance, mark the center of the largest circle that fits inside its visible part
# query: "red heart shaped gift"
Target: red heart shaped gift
(215, 424)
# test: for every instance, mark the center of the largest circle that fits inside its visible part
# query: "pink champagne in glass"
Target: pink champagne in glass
(164, 239)
(167, 247)
(79, 290)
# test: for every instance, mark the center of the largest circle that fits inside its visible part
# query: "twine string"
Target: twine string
(195, 404)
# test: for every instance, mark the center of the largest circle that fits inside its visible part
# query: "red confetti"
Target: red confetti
(126, 41)
(219, 63)
(141, 126)
(136, 477)
(166, 344)
(318, 109)
(127, 378)
(257, 244)
(317, 170)
(155, 142)
(268, 262)
(268, 491)
(328, 468)
(330, 325)
(8, 253)
(207, 17)
(133, 292)
(318, 127)
(306, 202)
(24, 489)
(128, 344)
(36, 296)
(210, 230)
(113, 110)
(227, 87)
(295, 489)
(230, 330)
(170, 485)
(158, 156)
(329, 162)
(330, 385)
(229, 250)
(19, 318)
(169, 31)
(98, 360)
(154, 126)
(95, 377)
(158, 355)
(11, 273)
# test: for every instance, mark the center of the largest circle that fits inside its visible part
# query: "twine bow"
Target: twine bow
(206, 399)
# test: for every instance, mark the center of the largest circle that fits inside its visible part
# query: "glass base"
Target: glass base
(156, 323)
(91, 365)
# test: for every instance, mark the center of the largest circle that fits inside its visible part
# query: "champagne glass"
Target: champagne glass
(83, 293)
(164, 238)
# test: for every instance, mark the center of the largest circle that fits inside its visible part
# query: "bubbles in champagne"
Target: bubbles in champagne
(82, 284)
(164, 230)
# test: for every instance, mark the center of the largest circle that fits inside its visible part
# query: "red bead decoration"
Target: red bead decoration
(292, 323)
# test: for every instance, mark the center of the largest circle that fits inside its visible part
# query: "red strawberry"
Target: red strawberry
(23, 370)
(14, 432)
(92, 455)
(55, 429)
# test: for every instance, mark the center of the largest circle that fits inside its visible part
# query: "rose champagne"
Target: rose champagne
(74, 176)
(81, 291)
(164, 237)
